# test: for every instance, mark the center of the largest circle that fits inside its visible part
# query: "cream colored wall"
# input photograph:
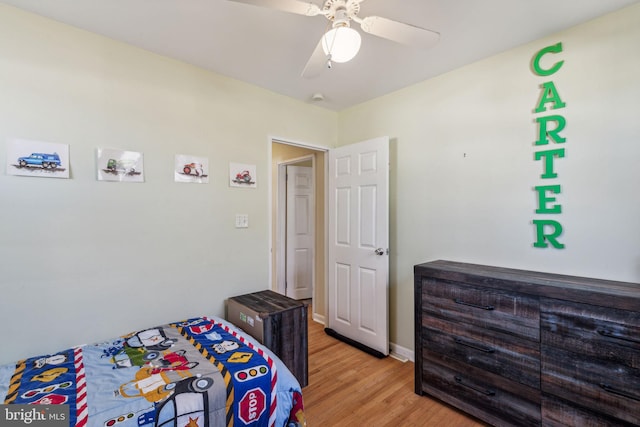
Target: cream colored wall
(160, 250)
(83, 260)
(281, 153)
(462, 167)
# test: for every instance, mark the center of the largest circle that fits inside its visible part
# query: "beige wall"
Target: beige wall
(463, 171)
(281, 153)
(129, 255)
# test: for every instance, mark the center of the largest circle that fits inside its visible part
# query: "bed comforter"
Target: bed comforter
(193, 373)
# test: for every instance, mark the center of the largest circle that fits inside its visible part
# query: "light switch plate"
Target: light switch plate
(242, 220)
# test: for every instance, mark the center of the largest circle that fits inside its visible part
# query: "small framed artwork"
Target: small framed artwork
(242, 175)
(37, 158)
(191, 169)
(119, 165)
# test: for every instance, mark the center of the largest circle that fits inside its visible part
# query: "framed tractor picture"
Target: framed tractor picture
(119, 165)
(191, 169)
(242, 175)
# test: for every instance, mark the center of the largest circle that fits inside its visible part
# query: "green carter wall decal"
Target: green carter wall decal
(548, 231)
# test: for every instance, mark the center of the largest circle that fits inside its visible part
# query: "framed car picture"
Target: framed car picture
(37, 158)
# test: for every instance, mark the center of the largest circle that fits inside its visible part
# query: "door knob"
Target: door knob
(379, 251)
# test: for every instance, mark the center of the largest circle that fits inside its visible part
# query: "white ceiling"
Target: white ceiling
(269, 48)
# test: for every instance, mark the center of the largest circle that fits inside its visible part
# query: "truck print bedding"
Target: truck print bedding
(198, 372)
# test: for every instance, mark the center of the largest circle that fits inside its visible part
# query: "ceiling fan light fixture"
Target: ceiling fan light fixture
(342, 43)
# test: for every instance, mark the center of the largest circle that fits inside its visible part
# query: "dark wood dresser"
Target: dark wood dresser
(278, 322)
(523, 348)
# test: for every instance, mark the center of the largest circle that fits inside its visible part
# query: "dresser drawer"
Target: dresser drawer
(556, 413)
(503, 354)
(607, 387)
(508, 312)
(591, 356)
(490, 397)
(609, 334)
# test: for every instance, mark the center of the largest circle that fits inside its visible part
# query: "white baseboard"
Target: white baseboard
(403, 354)
(318, 318)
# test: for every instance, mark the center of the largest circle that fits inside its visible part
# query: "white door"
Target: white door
(300, 232)
(358, 293)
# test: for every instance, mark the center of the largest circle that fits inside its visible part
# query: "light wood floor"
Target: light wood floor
(348, 387)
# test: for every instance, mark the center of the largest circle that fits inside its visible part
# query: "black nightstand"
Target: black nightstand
(278, 322)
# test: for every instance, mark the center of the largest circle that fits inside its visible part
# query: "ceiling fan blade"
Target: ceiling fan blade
(399, 32)
(317, 63)
(293, 6)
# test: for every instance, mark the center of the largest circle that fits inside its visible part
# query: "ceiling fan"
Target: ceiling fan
(341, 43)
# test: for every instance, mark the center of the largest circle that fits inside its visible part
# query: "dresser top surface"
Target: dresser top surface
(624, 295)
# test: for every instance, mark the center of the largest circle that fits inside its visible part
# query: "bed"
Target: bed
(198, 372)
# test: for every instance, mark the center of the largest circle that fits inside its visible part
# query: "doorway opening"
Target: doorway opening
(298, 223)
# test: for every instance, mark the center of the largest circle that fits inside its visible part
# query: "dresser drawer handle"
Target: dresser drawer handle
(474, 346)
(609, 334)
(614, 390)
(483, 307)
(486, 392)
